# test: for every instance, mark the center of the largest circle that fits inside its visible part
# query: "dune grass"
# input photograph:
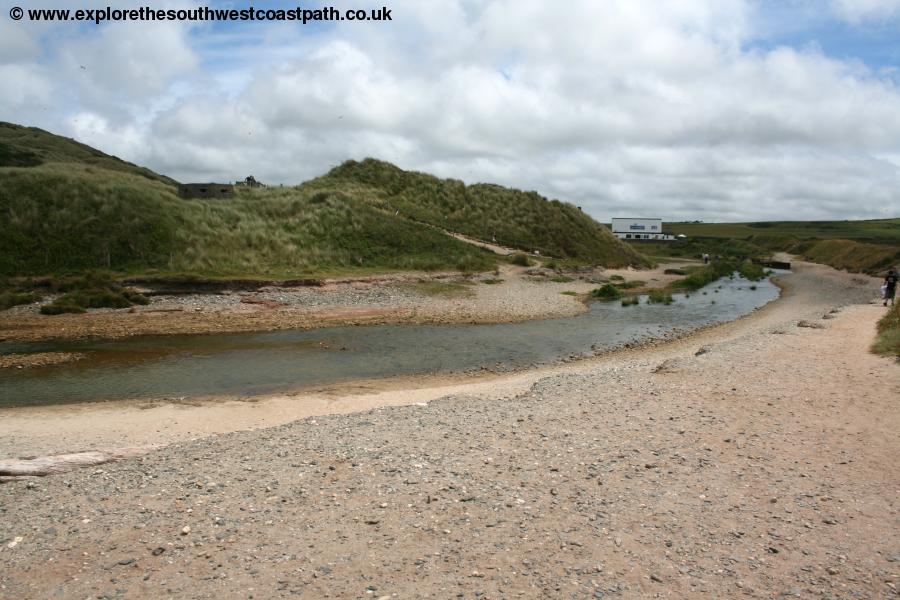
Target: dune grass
(702, 276)
(606, 292)
(29, 147)
(888, 340)
(66, 208)
(524, 220)
(91, 290)
(69, 218)
(852, 256)
(658, 296)
(14, 298)
(858, 246)
(444, 289)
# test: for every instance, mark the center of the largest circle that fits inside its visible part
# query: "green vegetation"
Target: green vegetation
(751, 271)
(879, 231)
(699, 277)
(13, 298)
(694, 248)
(67, 208)
(860, 246)
(524, 220)
(630, 301)
(31, 147)
(703, 276)
(71, 218)
(93, 290)
(658, 296)
(520, 259)
(888, 341)
(616, 278)
(606, 292)
(491, 281)
(440, 288)
(569, 293)
(851, 256)
(630, 285)
(562, 279)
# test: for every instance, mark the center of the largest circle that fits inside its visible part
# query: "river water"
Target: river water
(259, 363)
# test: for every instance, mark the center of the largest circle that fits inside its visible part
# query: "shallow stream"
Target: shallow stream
(249, 364)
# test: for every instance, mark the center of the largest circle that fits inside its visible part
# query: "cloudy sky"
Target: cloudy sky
(718, 110)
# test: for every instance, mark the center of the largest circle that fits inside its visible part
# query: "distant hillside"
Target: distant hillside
(879, 231)
(862, 246)
(525, 220)
(29, 147)
(65, 207)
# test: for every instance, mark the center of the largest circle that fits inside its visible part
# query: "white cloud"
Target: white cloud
(637, 106)
(857, 11)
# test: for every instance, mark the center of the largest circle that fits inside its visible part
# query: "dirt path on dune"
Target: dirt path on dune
(753, 460)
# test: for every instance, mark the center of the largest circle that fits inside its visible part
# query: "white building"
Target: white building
(640, 229)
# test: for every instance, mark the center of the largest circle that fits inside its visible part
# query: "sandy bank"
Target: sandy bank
(374, 300)
(762, 467)
(46, 430)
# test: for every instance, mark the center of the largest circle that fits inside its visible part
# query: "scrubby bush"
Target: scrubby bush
(888, 342)
(10, 299)
(751, 271)
(630, 301)
(607, 292)
(92, 290)
(659, 297)
(520, 259)
(630, 285)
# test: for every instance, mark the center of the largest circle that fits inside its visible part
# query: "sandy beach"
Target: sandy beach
(753, 459)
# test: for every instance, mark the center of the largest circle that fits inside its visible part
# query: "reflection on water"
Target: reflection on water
(257, 363)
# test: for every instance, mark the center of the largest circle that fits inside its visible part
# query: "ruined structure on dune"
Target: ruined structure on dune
(206, 190)
(250, 182)
(216, 190)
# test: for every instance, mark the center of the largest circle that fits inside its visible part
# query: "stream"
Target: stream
(248, 364)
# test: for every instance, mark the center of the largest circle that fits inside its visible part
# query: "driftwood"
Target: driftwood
(19, 468)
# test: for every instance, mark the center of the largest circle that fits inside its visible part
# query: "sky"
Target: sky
(712, 110)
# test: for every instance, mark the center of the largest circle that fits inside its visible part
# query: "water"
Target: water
(258, 363)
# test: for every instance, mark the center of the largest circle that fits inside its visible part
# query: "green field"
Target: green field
(860, 246)
(880, 231)
(67, 208)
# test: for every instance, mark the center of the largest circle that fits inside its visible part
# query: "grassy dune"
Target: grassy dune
(66, 207)
(850, 255)
(524, 220)
(68, 217)
(29, 147)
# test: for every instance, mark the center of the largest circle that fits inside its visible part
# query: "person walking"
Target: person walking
(890, 287)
